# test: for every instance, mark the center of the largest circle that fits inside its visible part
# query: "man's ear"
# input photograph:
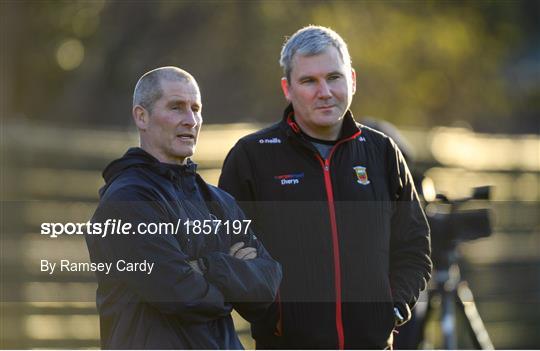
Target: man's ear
(141, 117)
(285, 88)
(353, 77)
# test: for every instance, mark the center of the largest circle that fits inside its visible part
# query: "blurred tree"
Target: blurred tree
(418, 62)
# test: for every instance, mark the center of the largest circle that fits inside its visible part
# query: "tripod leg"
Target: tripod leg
(475, 325)
(448, 320)
(420, 337)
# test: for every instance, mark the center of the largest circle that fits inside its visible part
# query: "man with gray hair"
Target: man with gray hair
(175, 272)
(335, 203)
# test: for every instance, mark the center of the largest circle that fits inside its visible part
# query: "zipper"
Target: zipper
(333, 223)
(335, 238)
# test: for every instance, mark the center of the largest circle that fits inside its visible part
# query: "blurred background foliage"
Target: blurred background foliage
(68, 69)
(419, 63)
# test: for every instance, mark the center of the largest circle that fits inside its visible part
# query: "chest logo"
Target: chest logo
(361, 174)
(289, 179)
(270, 141)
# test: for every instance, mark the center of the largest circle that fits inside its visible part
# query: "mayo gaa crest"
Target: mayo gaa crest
(361, 174)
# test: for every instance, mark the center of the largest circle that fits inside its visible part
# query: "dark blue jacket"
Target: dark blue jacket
(174, 307)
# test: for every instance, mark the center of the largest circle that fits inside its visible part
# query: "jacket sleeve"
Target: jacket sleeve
(237, 179)
(250, 285)
(410, 263)
(173, 287)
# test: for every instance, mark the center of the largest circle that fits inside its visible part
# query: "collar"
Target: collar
(348, 128)
(168, 170)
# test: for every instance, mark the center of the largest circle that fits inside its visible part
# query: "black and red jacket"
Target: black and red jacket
(348, 230)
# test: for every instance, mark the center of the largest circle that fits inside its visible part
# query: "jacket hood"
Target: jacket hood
(137, 157)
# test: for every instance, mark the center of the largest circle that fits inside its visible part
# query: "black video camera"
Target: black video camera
(455, 221)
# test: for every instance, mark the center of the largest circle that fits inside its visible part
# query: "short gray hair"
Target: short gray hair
(310, 41)
(148, 88)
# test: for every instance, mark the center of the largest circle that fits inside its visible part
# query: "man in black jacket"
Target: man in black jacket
(189, 256)
(335, 204)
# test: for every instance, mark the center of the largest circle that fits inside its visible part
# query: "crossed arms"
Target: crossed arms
(243, 276)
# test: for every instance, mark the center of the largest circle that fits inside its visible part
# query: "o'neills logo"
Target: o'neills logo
(289, 179)
(270, 141)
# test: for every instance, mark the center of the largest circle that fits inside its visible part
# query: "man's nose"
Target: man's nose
(191, 119)
(324, 91)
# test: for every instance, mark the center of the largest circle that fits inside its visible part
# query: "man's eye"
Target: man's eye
(334, 77)
(307, 81)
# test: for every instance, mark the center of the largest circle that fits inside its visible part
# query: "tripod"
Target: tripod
(449, 298)
(450, 295)
(455, 297)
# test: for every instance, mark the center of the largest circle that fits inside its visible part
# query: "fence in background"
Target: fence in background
(52, 174)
